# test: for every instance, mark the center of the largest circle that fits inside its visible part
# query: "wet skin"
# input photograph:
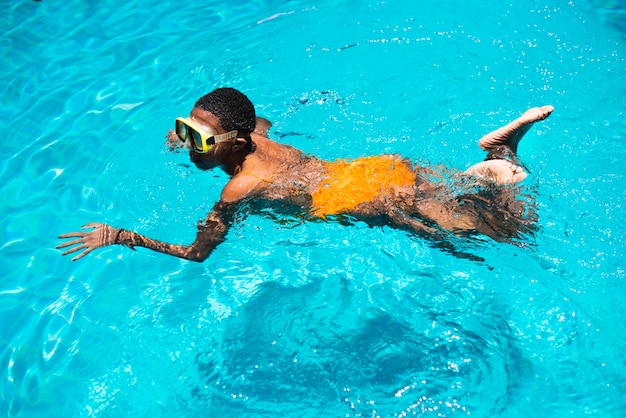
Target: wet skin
(284, 177)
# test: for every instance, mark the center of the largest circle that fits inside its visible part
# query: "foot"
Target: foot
(510, 135)
(500, 171)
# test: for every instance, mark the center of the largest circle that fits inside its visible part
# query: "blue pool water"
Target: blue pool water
(315, 319)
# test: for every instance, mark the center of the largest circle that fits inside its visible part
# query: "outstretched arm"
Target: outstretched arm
(210, 234)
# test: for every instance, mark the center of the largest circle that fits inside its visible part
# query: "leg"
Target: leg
(462, 206)
(501, 163)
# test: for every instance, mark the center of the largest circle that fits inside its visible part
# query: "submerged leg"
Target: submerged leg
(501, 164)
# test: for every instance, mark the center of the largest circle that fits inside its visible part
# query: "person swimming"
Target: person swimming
(223, 131)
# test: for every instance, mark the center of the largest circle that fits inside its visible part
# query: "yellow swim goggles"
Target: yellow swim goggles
(196, 136)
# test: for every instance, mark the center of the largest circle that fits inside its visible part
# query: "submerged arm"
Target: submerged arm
(210, 234)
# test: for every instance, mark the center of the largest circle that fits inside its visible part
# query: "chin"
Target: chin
(204, 165)
(201, 161)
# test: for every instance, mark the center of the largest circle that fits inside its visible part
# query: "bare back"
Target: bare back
(276, 171)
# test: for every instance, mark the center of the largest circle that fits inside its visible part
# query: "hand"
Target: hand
(101, 236)
(173, 141)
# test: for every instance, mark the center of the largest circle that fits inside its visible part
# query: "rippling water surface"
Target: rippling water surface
(316, 319)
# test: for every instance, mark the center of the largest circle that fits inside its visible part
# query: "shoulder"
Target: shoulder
(255, 175)
(241, 186)
(262, 126)
(261, 168)
(269, 150)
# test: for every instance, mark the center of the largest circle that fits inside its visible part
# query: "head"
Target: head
(232, 108)
(223, 111)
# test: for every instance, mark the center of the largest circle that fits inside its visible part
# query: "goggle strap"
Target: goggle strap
(223, 137)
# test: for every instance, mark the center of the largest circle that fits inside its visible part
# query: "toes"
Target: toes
(546, 111)
(536, 113)
(518, 176)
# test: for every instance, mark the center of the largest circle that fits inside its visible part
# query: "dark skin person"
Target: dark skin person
(279, 173)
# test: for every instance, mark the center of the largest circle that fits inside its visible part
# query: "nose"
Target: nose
(186, 144)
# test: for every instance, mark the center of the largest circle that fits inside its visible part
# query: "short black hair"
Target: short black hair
(234, 110)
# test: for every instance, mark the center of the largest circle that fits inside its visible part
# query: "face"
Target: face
(210, 123)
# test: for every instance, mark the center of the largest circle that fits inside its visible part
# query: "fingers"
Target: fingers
(83, 246)
(91, 225)
(81, 255)
(173, 141)
(68, 243)
(87, 249)
(73, 250)
(81, 234)
(72, 235)
(85, 241)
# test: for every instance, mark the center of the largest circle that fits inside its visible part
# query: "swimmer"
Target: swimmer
(223, 131)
